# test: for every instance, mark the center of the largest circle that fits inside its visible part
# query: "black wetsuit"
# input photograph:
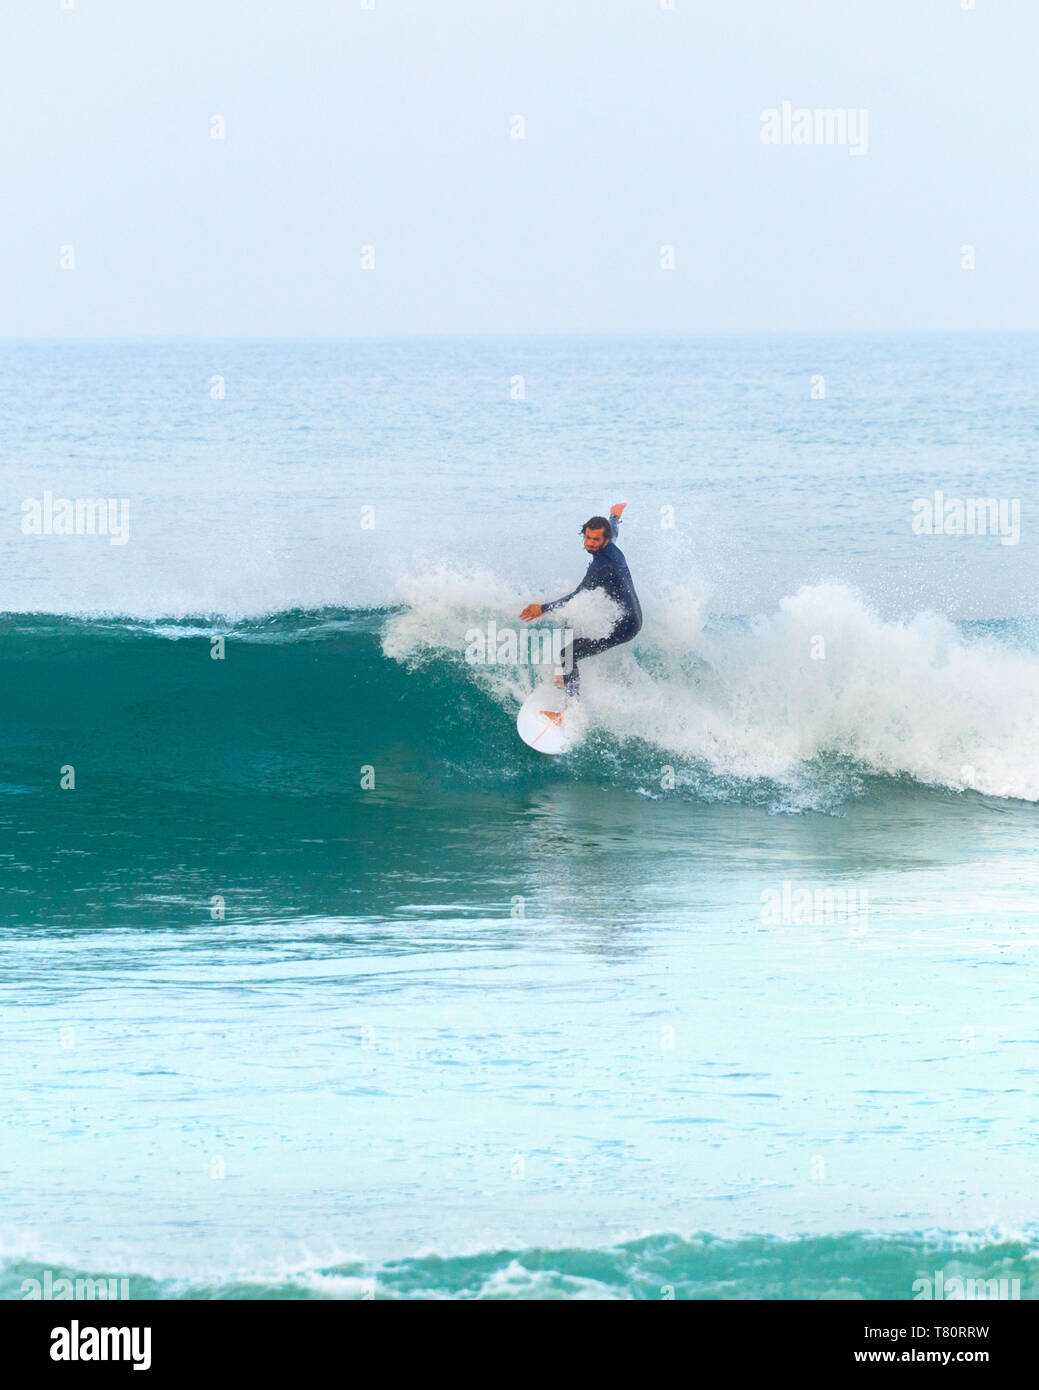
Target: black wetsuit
(609, 572)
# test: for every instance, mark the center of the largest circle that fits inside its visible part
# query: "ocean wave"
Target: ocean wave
(660, 1267)
(813, 696)
(796, 709)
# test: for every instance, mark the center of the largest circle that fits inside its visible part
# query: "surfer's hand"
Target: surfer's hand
(532, 611)
(617, 508)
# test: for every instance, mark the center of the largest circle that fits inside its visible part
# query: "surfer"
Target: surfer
(608, 571)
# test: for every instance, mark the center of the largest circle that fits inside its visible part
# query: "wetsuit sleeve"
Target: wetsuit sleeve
(558, 602)
(615, 522)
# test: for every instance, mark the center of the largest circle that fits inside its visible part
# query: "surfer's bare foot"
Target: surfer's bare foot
(558, 682)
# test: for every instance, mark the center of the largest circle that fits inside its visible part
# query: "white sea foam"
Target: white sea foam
(822, 677)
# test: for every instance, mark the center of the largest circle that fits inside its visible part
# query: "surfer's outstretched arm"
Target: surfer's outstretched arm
(593, 578)
(558, 602)
(535, 610)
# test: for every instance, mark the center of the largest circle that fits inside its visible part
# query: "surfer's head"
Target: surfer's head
(596, 533)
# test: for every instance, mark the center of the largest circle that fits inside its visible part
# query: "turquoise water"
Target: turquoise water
(318, 983)
(655, 1267)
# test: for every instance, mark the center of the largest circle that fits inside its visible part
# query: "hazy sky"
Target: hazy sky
(390, 127)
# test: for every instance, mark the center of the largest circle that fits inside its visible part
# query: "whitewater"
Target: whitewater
(768, 698)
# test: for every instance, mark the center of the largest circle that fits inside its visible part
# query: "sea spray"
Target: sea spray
(822, 678)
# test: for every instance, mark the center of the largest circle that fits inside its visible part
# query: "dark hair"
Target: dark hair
(598, 523)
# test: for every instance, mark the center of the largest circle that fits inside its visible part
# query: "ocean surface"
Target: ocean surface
(315, 982)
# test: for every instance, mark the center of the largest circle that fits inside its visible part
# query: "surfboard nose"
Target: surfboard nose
(541, 721)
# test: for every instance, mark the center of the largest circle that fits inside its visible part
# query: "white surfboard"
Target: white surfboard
(536, 725)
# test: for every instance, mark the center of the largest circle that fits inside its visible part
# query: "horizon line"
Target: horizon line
(523, 333)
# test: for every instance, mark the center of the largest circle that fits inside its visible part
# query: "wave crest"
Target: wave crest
(822, 680)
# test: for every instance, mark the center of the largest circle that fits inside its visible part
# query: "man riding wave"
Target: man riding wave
(608, 571)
